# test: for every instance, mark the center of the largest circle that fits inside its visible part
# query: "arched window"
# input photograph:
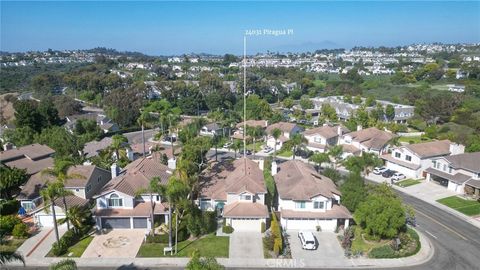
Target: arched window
(115, 201)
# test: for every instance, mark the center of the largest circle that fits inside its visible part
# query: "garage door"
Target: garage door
(47, 220)
(246, 225)
(301, 224)
(116, 223)
(139, 223)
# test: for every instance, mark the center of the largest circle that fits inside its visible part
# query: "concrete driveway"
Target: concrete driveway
(328, 249)
(246, 245)
(118, 243)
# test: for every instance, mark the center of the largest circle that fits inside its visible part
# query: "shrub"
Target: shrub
(262, 227)
(9, 207)
(20, 230)
(182, 235)
(277, 246)
(268, 241)
(64, 264)
(68, 239)
(7, 223)
(209, 224)
(157, 238)
(227, 229)
(385, 251)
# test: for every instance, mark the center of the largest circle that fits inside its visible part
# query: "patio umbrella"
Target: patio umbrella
(22, 211)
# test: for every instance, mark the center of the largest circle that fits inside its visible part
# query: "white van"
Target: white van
(307, 239)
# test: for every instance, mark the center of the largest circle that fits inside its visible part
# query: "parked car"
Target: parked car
(303, 153)
(248, 152)
(398, 176)
(379, 170)
(307, 239)
(228, 145)
(170, 139)
(268, 149)
(388, 173)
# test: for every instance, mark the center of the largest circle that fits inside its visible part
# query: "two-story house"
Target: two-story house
(413, 159)
(84, 182)
(455, 172)
(321, 138)
(213, 129)
(125, 201)
(287, 129)
(371, 140)
(237, 191)
(238, 134)
(308, 200)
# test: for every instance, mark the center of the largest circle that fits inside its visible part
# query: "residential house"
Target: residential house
(456, 172)
(33, 158)
(321, 138)
(85, 181)
(308, 200)
(371, 140)
(236, 190)
(212, 129)
(238, 134)
(125, 202)
(287, 129)
(413, 159)
(105, 123)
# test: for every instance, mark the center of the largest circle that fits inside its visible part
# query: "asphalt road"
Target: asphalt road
(136, 136)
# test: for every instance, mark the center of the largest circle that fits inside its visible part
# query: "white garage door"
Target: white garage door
(326, 225)
(242, 225)
(47, 220)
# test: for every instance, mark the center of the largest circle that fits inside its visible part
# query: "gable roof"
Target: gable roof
(88, 172)
(297, 180)
(372, 137)
(467, 161)
(430, 149)
(92, 148)
(283, 126)
(253, 123)
(33, 157)
(326, 132)
(137, 175)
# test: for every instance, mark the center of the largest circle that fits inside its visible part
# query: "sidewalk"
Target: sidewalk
(427, 192)
(40, 244)
(424, 255)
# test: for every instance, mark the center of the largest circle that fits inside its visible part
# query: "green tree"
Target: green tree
(288, 103)
(336, 153)
(77, 216)
(143, 120)
(256, 133)
(276, 133)
(295, 142)
(27, 115)
(319, 158)
(48, 113)
(59, 139)
(50, 194)
(10, 256)
(329, 112)
(382, 214)
(237, 146)
(353, 191)
(66, 264)
(306, 103)
(198, 263)
(20, 136)
(390, 112)
(10, 180)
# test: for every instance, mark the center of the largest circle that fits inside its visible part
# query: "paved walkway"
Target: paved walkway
(430, 193)
(118, 243)
(40, 244)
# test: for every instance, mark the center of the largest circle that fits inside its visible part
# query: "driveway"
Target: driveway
(118, 243)
(246, 245)
(328, 250)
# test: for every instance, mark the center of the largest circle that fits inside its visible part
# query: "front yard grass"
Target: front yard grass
(359, 244)
(78, 249)
(207, 246)
(467, 207)
(285, 153)
(11, 244)
(257, 146)
(408, 182)
(413, 139)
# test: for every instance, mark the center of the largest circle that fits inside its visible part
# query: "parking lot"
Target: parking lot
(328, 249)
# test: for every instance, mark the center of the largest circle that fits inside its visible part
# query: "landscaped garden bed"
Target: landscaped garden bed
(408, 182)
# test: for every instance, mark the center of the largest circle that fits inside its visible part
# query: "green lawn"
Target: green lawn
(408, 182)
(208, 246)
(12, 244)
(78, 249)
(467, 207)
(358, 244)
(257, 146)
(414, 139)
(285, 153)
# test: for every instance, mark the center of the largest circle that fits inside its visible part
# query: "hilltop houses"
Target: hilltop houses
(287, 131)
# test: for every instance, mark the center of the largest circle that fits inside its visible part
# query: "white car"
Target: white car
(398, 176)
(228, 145)
(307, 239)
(268, 149)
(379, 170)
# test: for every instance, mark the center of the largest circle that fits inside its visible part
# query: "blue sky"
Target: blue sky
(164, 28)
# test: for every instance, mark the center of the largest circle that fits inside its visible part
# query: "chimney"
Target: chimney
(129, 154)
(172, 163)
(261, 164)
(359, 127)
(339, 130)
(8, 146)
(114, 169)
(456, 149)
(274, 168)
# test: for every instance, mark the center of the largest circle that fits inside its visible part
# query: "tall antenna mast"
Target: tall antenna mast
(245, 101)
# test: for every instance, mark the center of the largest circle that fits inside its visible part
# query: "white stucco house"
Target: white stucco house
(321, 138)
(370, 140)
(287, 129)
(236, 190)
(413, 159)
(308, 200)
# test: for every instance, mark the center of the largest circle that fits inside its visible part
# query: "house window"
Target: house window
(449, 169)
(318, 205)
(115, 201)
(88, 188)
(98, 179)
(444, 167)
(317, 139)
(408, 158)
(28, 205)
(397, 154)
(246, 197)
(434, 164)
(300, 205)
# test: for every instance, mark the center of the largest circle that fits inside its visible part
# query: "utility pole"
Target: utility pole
(245, 101)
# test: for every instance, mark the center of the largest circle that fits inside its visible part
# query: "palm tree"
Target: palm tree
(296, 141)
(215, 142)
(50, 194)
(236, 146)
(10, 256)
(60, 173)
(154, 187)
(67, 264)
(118, 143)
(77, 216)
(276, 133)
(143, 120)
(255, 133)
